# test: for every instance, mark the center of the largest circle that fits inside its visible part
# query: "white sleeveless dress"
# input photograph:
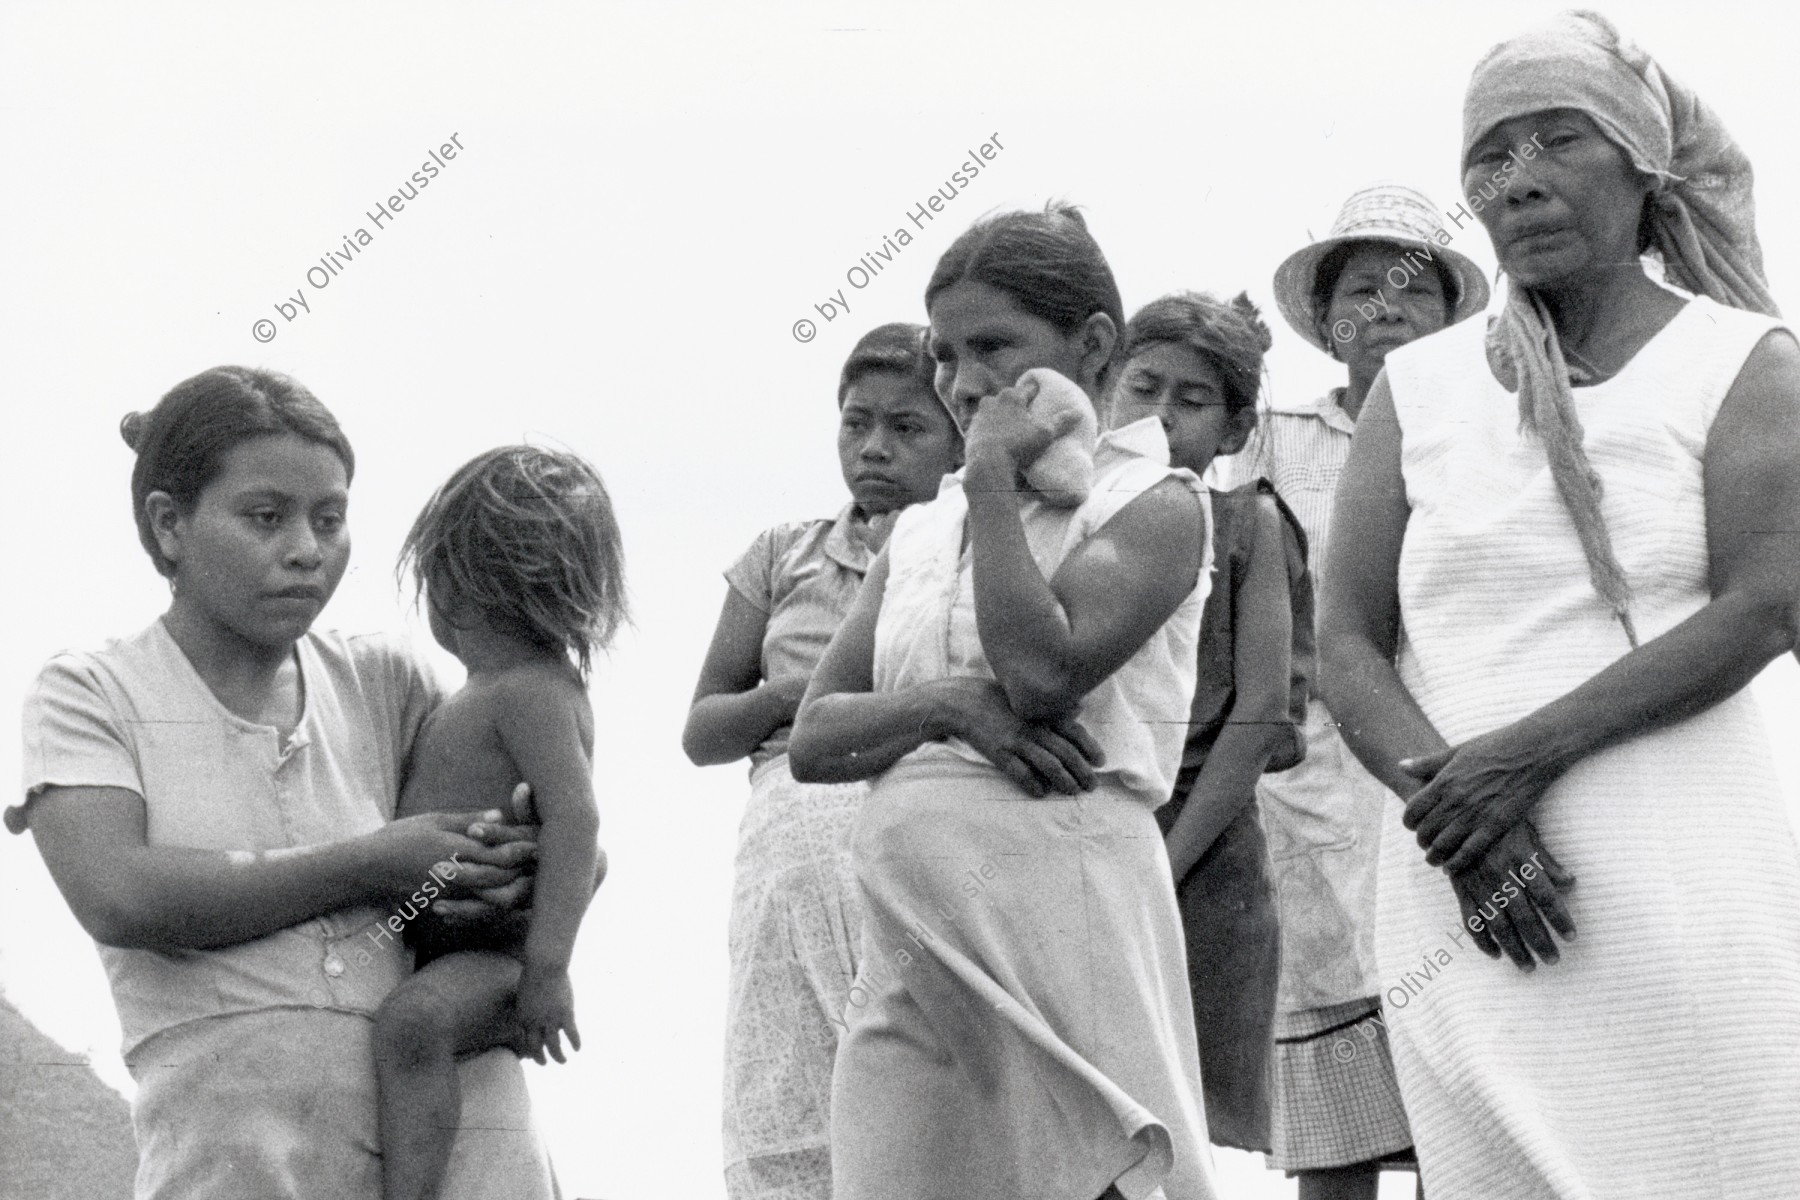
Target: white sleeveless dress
(1661, 1056)
(1020, 1027)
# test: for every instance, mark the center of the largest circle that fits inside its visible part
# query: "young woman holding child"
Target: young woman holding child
(1015, 677)
(214, 798)
(794, 916)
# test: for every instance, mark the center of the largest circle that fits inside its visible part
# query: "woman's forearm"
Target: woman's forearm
(168, 898)
(1025, 633)
(1376, 716)
(1706, 658)
(725, 727)
(129, 894)
(845, 736)
(1225, 786)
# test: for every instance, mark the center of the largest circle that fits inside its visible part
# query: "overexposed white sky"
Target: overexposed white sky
(649, 197)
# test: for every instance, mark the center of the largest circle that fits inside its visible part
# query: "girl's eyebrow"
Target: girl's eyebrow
(265, 492)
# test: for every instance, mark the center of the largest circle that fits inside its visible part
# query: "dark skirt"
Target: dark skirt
(1234, 966)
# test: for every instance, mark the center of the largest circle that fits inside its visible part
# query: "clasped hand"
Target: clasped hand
(1473, 794)
(1041, 757)
(483, 860)
(1472, 818)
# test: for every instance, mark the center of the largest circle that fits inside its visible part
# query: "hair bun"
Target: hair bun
(131, 428)
(1246, 308)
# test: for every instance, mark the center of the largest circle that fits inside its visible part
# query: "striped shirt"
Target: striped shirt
(1301, 449)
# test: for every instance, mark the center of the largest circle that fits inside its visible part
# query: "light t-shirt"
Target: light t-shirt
(137, 716)
(803, 576)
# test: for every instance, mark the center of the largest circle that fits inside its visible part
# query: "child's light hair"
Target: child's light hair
(525, 537)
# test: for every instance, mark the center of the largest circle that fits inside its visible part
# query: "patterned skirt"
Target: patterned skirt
(1336, 1100)
(793, 936)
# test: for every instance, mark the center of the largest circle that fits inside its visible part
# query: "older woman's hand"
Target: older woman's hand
(1473, 794)
(1057, 756)
(1511, 899)
(1006, 436)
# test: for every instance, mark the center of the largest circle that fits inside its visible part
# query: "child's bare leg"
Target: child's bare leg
(460, 1004)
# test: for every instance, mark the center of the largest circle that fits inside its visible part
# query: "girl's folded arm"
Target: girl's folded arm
(734, 710)
(130, 894)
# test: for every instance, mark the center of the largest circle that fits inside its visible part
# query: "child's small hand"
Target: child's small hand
(546, 1008)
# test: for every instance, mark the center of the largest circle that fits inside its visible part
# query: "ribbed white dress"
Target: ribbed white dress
(1661, 1056)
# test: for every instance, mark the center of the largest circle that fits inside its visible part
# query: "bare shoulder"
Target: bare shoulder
(540, 699)
(1771, 374)
(1167, 508)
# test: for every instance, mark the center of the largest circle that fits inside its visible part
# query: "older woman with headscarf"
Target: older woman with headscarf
(1583, 522)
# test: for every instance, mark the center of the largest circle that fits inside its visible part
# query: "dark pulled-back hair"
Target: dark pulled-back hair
(525, 537)
(181, 443)
(897, 348)
(1046, 261)
(1331, 269)
(1229, 334)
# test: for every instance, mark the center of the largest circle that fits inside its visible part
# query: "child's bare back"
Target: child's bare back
(462, 750)
(518, 561)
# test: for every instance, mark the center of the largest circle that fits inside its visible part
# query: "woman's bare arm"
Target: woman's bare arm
(848, 731)
(1359, 609)
(734, 711)
(1052, 641)
(128, 893)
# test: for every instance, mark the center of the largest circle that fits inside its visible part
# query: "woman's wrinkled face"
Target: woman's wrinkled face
(1371, 313)
(265, 543)
(983, 341)
(1572, 209)
(895, 442)
(1185, 391)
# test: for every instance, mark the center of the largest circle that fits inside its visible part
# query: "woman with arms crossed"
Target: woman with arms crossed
(1021, 1025)
(794, 918)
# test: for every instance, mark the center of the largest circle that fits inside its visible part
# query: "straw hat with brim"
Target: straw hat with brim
(1384, 213)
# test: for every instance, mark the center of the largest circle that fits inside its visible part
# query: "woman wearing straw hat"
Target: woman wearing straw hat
(1383, 277)
(1583, 522)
